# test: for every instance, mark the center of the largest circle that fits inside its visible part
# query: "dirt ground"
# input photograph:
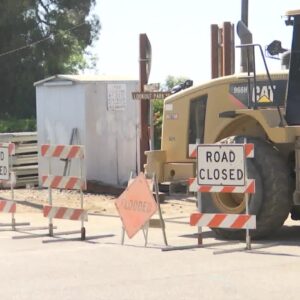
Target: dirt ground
(32, 200)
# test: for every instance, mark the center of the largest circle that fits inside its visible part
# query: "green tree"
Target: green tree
(158, 106)
(40, 38)
(172, 81)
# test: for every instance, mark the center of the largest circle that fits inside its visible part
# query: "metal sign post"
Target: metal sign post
(11, 175)
(199, 204)
(83, 232)
(248, 238)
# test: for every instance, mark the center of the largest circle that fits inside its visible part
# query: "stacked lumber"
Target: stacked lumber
(25, 161)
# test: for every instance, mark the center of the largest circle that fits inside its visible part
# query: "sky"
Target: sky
(179, 33)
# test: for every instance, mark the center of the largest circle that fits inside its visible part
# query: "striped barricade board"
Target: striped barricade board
(63, 182)
(231, 221)
(56, 181)
(7, 206)
(248, 148)
(62, 151)
(248, 188)
(75, 214)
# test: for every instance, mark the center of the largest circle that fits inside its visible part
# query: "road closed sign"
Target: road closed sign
(221, 165)
(4, 163)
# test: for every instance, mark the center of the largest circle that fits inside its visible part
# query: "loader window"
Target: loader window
(197, 119)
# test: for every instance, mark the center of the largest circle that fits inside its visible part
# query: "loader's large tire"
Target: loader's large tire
(273, 198)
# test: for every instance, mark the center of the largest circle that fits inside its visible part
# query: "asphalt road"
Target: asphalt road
(102, 268)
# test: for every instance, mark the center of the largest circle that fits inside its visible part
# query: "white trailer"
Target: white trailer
(106, 117)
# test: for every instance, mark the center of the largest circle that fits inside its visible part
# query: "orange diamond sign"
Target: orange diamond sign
(136, 205)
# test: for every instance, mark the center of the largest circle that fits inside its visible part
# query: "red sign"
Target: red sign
(136, 205)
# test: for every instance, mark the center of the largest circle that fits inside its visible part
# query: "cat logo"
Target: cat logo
(264, 99)
(264, 94)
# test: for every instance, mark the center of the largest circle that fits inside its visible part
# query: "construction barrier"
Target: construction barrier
(7, 150)
(217, 159)
(52, 181)
(222, 154)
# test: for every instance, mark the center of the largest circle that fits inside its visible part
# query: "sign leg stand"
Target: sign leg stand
(145, 232)
(199, 203)
(50, 227)
(123, 236)
(200, 239)
(13, 222)
(248, 238)
(83, 233)
(50, 218)
(50, 202)
(159, 211)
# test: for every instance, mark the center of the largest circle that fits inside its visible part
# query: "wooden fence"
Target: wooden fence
(25, 162)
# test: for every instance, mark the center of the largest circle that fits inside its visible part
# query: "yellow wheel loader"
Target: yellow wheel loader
(263, 109)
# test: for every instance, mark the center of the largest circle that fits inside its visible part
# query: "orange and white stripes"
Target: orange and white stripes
(249, 187)
(7, 206)
(248, 148)
(62, 151)
(63, 182)
(232, 221)
(74, 214)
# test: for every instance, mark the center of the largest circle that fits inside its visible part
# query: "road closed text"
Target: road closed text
(221, 165)
(221, 174)
(4, 165)
(3, 170)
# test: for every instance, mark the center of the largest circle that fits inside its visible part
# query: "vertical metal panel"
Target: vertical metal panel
(59, 109)
(214, 51)
(227, 49)
(111, 136)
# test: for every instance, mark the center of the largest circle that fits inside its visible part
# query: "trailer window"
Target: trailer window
(197, 119)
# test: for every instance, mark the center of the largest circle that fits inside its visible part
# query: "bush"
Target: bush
(17, 125)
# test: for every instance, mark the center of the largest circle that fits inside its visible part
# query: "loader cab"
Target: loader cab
(293, 93)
